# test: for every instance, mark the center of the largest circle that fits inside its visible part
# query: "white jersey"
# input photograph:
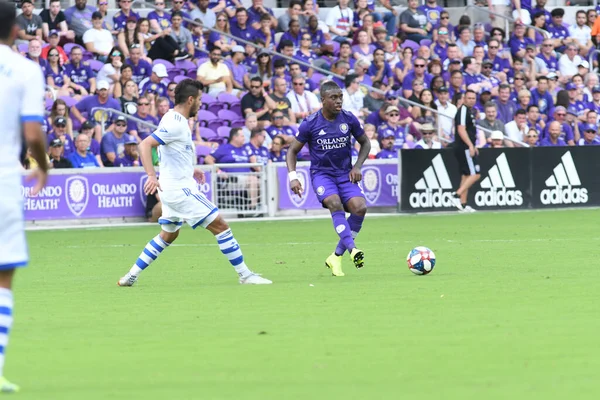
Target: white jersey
(21, 100)
(177, 152)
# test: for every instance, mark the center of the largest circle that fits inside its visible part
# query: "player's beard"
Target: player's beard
(194, 109)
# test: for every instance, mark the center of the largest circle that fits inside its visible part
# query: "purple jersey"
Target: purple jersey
(246, 33)
(386, 130)
(317, 38)
(329, 142)
(547, 143)
(566, 133)
(68, 145)
(579, 106)
(229, 154)
(112, 144)
(261, 153)
(543, 101)
(140, 71)
(143, 130)
(278, 158)
(410, 77)
(432, 13)
(595, 142)
(387, 154)
(81, 74)
(58, 76)
(306, 58)
(163, 21)
(517, 45)
(120, 19)
(90, 103)
(294, 39)
(284, 130)
(550, 62)
(89, 161)
(500, 64)
(254, 14)
(470, 79)
(441, 52)
(150, 87)
(198, 51)
(557, 31)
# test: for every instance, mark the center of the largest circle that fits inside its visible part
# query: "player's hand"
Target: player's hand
(472, 151)
(151, 185)
(41, 177)
(296, 187)
(355, 175)
(199, 176)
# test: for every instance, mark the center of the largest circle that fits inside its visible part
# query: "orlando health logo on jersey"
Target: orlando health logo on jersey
(563, 178)
(434, 189)
(499, 186)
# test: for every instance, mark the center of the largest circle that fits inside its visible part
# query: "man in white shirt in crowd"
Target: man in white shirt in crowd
(516, 129)
(339, 20)
(581, 33)
(303, 102)
(446, 108)
(353, 96)
(98, 40)
(569, 62)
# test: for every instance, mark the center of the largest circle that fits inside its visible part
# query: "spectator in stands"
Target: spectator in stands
(83, 79)
(392, 124)
(113, 142)
(60, 109)
(306, 54)
(154, 84)
(421, 114)
(532, 137)
(303, 102)
(558, 31)
(255, 13)
(371, 132)
(111, 70)
(506, 107)
(239, 71)
(29, 23)
(259, 102)
(292, 13)
(178, 6)
(414, 24)
(490, 122)
(56, 78)
(240, 27)
(141, 69)
(54, 19)
(126, 76)
(446, 108)
(419, 73)
(122, 16)
(387, 145)
(182, 36)
(565, 132)
(255, 147)
(56, 155)
(280, 128)
(427, 140)
(162, 106)
(131, 156)
(496, 140)
(353, 96)
(417, 88)
(282, 102)
(129, 36)
(340, 20)
(317, 37)
(517, 128)
(138, 130)
(214, 74)
(34, 53)
(199, 42)
(59, 131)
(204, 14)
(277, 153)
(159, 19)
(53, 41)
(569, 62)
(87, 128)
(591, 15)
(79, 18)
(589, 137)
(98, 40)
(380, 70)
(234, 153)
(553, 138)
(444, 22)
(129, 98)
(82, 157)
(363, 48)
(374, 98)
(251, 122)
(87, 104)
(225, 43)
(465, 44)
(432, 10)
(581, 33)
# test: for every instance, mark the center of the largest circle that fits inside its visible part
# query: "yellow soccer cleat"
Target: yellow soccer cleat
(7, 387)
(358, 257)
(334, 263)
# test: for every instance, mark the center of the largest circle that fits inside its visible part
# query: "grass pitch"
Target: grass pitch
(510, 312)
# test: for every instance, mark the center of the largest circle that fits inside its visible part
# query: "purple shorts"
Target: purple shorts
(326, 185)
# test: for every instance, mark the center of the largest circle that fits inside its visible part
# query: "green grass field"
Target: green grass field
(510, 312)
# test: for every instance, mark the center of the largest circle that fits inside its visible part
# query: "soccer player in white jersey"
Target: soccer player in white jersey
(181, 199)
(22, 114)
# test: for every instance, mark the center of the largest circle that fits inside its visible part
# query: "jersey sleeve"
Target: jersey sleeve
(168, 131)
(303, 134)
(32, 101)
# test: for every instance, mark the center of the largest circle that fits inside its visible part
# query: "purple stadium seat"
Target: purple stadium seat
(179, 78)
(23, 48)
(192, 74)
(335, 45)
(223, 132)
(207, 133)
(49, 104)
(207, 100)
(76, 124)
(238, 123)
(204, 117)
(215, 124)
(174, 72)
(201, 61)
(227, 99)
(227, 116)
(95, 65)
(70, 46)
(87, 56)
(425, 42)
(215, 107)
(409, 43)
(236, 108)
(201, 152)
(166, 63)
(68, 100)
(185, 65)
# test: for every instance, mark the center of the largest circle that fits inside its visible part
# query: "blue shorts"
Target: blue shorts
(325, 185)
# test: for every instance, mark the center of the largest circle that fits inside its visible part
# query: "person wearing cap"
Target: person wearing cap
(439, 48)
(353, 100)
(29, 23)
(88, 128)
(59, 131)
(590, 119)
(578, 105)
(214, 74)
(392, 126)
(583, 68)
(447, 112)
(57, 160)
(82, 157)
(553, 135)
(53, 42)
(595, 103)
(154, 84)
(98, 40)
(113, 142)
(53, 19)
(496, 140)
(120, 18)
(590, 137)
(238, 69)
(427, 138)
(89, 105)
(581, 33)
(131, 156)
(387, 140)
(182, 36)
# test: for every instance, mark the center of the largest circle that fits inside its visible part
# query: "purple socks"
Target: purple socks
(347, 230)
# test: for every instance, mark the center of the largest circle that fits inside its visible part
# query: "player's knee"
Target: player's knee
(360, 210)
(219, 225)
(334, 205)
(169, 237)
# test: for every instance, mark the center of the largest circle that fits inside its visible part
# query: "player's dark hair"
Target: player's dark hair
(176, 14)
(520, 111)
(187, 88)
(257, 79)
(8, 18)
(255, 132)
(233, 133)
(536, 106)
(327, 86)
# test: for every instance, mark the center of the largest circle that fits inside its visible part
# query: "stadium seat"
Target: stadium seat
(179, 78)
(207, 133)
(95, 65)
(238, 123)
(87, 56)
(70, 46)
(425, 42)
(185, 65)
(49, 104)
(23, 48)
(227, 116)
(207, 100)
(335, 45)
(202, 152)
(69, 101)
(227, 99)
(166, 63)
(174, 72)
(223, 132)
(409, 43)
(215, 124)
(205, 116)
(236, 108)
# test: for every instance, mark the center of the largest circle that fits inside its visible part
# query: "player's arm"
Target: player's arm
(363, 153)
(291, 160)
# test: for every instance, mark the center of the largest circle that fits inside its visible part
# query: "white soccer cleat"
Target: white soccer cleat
(254, 279)
(456, 201)
(469, 209)
(127, 280)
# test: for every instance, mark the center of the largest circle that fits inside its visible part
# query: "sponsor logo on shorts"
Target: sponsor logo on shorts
(77, 194)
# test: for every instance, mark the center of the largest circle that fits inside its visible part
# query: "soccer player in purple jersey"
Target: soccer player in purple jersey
(335, 180)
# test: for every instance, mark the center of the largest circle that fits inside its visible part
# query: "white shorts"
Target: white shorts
(185, 205)
(13, 244)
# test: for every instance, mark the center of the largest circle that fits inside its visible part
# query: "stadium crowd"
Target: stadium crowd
(534, 84)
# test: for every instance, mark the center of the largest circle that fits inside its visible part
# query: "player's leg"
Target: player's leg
(334, 204)
(232, 251)
(354, 202)
(469, 170)
(153, 249)
(357, 207)
(6, 320)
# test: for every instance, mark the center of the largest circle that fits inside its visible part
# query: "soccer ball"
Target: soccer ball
(420, 260)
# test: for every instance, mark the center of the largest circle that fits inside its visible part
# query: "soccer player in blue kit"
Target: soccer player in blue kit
(335, 180)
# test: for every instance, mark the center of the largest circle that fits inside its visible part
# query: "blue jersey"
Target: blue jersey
(89, 161)
(330, 142)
